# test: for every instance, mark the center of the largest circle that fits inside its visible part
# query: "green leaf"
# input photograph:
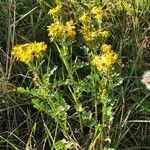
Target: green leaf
(41, 105)
(60, 145)
(23, 90)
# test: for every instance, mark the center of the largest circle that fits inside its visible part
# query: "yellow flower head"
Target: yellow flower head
(27, 52)
(100, 63)
(112, 57)
(55, 11)
(57, 30)
(98, 12)
(104, 34)
(70, 29)
(89, 35)
(85, 29)
(85, 18)
(105, 61)
(106, 48)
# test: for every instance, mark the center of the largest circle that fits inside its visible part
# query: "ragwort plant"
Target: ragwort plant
(92, 96)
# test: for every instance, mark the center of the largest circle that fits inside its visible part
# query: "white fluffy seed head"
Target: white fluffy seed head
(146, 79)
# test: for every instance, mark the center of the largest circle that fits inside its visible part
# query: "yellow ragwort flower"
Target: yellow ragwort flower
(98, 12)
(85, 18)
(58, 31)
(112, 57)
(69, 29)
(99, 63)
(27, 52)
(89, 35)
(104, 34)
(85, 29)
(55, 11)
(106, 48)
(105, 61)
(55, 30)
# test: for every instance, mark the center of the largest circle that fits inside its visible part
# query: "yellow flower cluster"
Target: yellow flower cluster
(104, 34)
(105, 61)
(55, 30)
(55, 11)
(69, 29)
(85, 18)
(89, 31)
(90, 36)
(106, 48)
(98, 12)
(59, 30)
(27, 52)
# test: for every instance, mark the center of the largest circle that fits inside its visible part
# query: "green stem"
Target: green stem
(104, 114)
(77, 105)
(96, 111)
(64, 56)
(65, 61)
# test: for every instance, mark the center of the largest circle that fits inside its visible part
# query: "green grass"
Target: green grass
(24, 127)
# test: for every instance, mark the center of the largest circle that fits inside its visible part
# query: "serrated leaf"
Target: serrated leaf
(23, 90)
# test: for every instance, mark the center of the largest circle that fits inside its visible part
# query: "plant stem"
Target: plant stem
(65, 61)
(64, 56)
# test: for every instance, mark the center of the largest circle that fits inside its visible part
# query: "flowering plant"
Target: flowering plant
(102, 76)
